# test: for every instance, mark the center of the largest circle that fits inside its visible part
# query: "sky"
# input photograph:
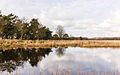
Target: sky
(87, 18)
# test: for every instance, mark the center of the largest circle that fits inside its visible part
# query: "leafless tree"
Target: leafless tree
(60, 52)
(60, 31)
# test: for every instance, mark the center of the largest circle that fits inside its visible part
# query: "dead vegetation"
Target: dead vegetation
(6, 43)
(66, 73)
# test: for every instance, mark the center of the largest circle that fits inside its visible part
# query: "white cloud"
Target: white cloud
(83, 59)
(80, 18)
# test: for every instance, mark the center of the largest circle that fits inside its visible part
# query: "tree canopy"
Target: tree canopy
(12, 27)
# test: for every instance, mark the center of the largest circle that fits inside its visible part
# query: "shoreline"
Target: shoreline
(10, 44)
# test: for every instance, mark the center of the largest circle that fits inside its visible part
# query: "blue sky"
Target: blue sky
(91, 18)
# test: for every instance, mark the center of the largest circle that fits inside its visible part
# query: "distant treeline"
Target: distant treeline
(96, 38)
(105, 38)
(12, 27)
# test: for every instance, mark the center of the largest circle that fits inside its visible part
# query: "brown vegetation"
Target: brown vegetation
(5, 43)
(69, 73)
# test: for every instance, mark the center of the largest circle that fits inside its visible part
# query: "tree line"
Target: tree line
(12, 27)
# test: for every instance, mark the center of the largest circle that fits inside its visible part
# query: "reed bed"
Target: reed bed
(64, 73)
(6, 43)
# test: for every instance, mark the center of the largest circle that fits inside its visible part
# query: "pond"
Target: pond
(59, 60)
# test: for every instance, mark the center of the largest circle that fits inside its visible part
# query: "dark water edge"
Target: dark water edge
(57, 61)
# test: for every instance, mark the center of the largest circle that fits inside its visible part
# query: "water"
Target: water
(71, 60)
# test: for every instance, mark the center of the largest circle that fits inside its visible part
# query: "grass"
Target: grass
(67, 73)
(7, 43)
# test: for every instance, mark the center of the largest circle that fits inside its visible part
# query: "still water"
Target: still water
(46, 61)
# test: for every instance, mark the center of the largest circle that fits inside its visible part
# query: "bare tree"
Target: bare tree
(60, 52)
(60, 31)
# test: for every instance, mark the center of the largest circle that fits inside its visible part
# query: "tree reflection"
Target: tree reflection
(11, 59)
(60, 52)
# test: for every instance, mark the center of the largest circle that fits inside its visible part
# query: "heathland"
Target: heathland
(8, 44)
(21, 33)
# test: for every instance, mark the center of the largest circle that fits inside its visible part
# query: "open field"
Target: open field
(57, 43)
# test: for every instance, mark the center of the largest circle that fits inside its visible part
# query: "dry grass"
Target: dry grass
(66, 73)
(6, 43)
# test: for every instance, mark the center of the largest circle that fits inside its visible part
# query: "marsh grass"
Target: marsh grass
(64, 73)
(7, 43)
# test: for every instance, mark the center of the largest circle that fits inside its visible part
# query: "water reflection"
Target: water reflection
(11, 59)
(45, 61)
(60, 52)
(76, 60)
